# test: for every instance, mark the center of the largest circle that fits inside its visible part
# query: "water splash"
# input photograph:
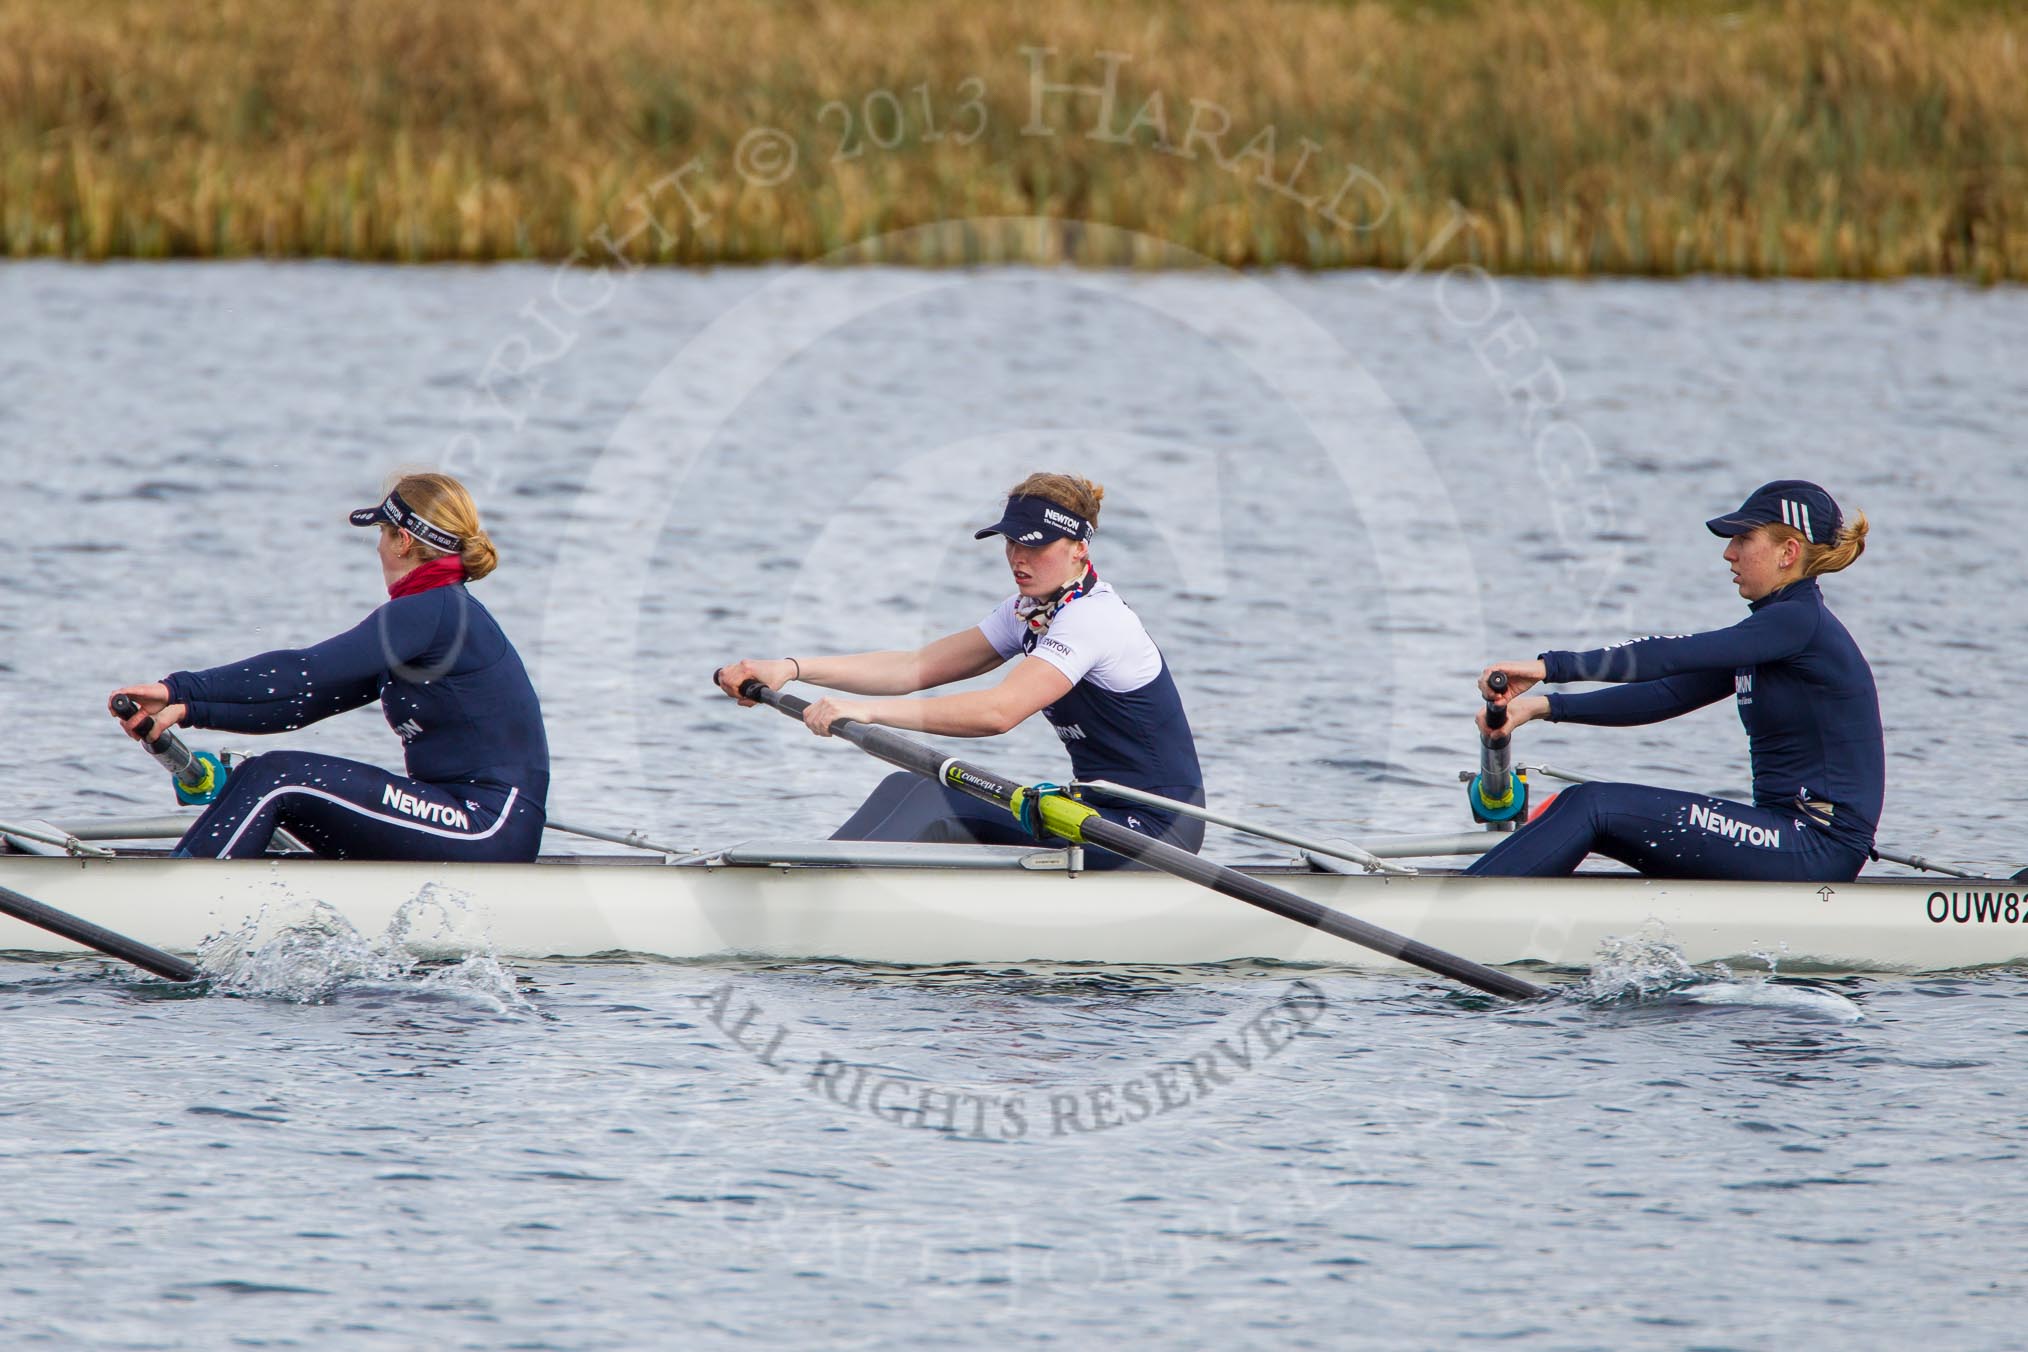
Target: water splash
(1813, 1001)
(429, 949)
(1650, 968)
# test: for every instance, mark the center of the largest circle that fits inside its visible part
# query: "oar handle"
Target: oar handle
(758, 692)
(1496, 713)
(125, 708)
(168, 749)
(1497, 794)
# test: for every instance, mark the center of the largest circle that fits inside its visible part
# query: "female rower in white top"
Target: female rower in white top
(1085, 664)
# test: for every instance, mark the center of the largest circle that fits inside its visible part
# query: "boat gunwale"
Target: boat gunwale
(714, 864)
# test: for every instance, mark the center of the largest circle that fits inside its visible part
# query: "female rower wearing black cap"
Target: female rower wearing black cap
(1805, 694)
(451, 685)
(1085, 664)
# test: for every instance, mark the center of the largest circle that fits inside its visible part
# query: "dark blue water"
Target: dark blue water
(1330, 504)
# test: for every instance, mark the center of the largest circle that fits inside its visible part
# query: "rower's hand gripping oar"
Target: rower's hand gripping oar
(1080, 824)
(199, 775)
(1497, 794)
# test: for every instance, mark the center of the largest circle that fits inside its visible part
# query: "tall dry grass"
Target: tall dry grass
(1812, 137)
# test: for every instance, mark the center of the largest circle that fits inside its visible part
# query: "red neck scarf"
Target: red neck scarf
(445, 572)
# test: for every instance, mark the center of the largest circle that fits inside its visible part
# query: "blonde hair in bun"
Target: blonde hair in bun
(443, 501)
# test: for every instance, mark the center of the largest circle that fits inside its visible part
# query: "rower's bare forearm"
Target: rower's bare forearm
(973, 714)
(882, 673)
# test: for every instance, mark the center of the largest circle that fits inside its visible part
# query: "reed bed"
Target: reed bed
(1817, 138)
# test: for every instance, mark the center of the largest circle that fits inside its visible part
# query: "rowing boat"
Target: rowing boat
(917, 904)
(937, 904)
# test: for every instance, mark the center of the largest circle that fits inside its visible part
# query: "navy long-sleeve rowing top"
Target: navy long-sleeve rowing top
(449, 681)
(1805, 692)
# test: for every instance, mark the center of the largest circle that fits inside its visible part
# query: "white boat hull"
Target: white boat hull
(918, 914)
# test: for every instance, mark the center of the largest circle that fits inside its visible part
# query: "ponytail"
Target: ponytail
(1818, 559)
(1840, 554)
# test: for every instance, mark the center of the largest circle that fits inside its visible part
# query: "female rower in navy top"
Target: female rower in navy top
(1085, 663)
(451, 685)
(1805, 694)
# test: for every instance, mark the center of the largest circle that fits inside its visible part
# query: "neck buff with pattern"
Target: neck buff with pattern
(445, 572)
(1037, 612)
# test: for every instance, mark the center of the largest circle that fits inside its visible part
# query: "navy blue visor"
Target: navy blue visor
(1037, 521)
(394, 512)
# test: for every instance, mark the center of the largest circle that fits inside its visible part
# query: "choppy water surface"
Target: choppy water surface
(1328, 502)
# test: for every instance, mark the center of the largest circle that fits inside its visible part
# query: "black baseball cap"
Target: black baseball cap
(1037, 521)
(1792, 502)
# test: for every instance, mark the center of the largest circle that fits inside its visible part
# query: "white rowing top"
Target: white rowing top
(1097, 638)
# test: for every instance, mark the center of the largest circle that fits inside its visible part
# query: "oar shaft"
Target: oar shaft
(62, 923)
(1243, 887)
(901, 751)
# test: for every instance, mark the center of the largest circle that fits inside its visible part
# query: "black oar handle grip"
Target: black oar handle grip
(758, 692)
(167, 749)
(1496, 714)
(124, 706)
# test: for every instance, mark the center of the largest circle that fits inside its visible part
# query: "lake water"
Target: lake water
(1330, 497)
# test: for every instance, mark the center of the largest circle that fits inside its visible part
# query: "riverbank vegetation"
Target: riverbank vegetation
(1820, 138)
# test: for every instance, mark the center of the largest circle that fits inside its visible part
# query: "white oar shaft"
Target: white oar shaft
(1335, 849)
